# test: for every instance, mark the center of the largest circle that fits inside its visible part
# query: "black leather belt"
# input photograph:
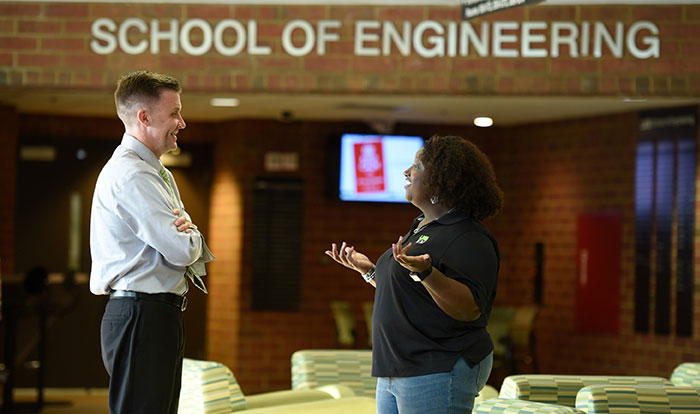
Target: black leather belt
(169, 298)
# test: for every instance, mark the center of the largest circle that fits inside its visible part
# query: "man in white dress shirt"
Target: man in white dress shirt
(143, 243)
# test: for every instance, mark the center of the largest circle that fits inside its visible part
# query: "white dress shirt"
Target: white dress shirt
(133, 239)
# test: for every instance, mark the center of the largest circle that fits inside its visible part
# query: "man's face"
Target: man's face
(165, 122)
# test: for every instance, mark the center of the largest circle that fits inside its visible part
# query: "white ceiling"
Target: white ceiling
(377, 109)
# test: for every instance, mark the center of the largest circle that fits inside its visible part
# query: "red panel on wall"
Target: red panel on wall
(598, 254)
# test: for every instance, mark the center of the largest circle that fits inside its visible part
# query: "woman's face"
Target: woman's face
(416, 188)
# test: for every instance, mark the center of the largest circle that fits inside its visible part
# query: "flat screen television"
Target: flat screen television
(372, 166)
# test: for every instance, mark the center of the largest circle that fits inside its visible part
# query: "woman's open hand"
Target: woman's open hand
(350, 258)
(413, 263)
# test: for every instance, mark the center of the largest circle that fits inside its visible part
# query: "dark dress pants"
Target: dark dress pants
(142, 349)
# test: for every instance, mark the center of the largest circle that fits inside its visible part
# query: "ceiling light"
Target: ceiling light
(229, 102)
(483, 121)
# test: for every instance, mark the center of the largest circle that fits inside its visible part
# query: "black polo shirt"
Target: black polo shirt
(411, 335)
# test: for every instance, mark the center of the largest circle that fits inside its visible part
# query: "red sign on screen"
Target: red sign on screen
(369, 167)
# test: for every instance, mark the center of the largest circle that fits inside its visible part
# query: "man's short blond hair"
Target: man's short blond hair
(141, 88)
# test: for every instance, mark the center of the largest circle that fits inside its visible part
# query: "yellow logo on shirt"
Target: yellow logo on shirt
(422, 239)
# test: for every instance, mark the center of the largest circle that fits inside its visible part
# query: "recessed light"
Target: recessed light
(483, 121)
(228, 102)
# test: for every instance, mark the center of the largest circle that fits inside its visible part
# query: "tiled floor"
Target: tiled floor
(62, 401)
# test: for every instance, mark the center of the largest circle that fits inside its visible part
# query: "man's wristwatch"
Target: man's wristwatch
(420, 276)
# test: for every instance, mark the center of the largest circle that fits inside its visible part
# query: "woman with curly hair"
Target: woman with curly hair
(436, 285)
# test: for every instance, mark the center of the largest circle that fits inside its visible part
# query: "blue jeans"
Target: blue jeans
(443, 393)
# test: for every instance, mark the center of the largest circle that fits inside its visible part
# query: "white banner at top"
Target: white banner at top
(476, 8)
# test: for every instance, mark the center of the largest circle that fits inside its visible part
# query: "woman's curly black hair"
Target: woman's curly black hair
(461, 176)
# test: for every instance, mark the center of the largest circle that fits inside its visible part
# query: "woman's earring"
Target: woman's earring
(433, 200)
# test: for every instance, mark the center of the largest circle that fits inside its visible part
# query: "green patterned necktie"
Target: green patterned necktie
(189, 271)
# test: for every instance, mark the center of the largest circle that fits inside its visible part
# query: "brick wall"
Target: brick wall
(553, 172)
(47, 45)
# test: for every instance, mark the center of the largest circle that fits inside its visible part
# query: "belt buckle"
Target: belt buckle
(183, 305)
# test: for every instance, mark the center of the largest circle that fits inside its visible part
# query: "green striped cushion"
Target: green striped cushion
(562, 389)
(209, 387)
(618, 399)
(509, 406)
(352, 368)
(686, 374)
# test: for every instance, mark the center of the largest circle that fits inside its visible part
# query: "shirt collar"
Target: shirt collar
(452, 217)
(131, 143)
(448, 218)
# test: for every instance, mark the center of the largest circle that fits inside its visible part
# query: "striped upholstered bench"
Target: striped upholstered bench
(312, 368)
(626, 399)
(686, 374)
(562, 389)
(209, 387)
(509, 406)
